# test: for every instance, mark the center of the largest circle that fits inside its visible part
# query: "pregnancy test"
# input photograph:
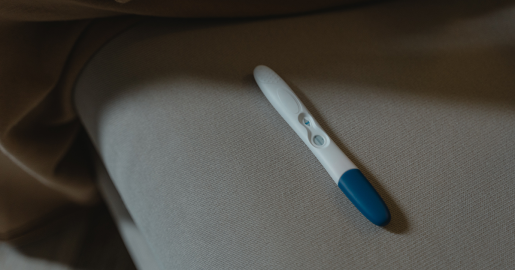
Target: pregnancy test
(344, 173)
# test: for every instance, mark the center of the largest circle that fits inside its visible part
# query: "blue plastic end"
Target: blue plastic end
(363, 195)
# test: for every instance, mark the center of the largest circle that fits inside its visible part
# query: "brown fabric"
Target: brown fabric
(43, 46)
(21, 196)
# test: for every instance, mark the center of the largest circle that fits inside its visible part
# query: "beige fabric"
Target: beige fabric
(43, 46)
(24, 201)
(419, 95)
(89, 240)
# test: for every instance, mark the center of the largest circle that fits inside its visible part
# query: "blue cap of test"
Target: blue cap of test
(363, 195)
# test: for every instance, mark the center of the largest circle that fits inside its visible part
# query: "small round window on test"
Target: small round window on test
(306, 122)
(318, 140)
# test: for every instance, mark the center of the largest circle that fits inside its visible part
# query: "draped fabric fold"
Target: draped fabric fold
(43, 47)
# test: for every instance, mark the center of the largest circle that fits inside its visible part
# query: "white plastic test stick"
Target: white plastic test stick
(341, 169)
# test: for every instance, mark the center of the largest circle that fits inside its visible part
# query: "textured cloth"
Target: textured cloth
(42, 205)
(419, 95)
(132, 237)
(88, 239)
(43, 46)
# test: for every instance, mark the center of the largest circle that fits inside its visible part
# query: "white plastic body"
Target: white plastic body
(289, 106)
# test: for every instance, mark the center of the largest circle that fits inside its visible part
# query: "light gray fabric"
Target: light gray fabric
(132, 237)
(420, 95)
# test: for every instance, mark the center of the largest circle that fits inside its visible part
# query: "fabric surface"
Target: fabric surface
(418, 95)
(25, 203)
(43, 46)
(134, 241)
(89, 240)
